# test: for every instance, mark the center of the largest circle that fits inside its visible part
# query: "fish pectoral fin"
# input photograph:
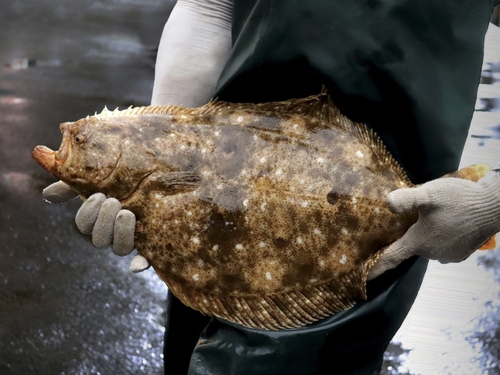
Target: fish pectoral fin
(175, 182)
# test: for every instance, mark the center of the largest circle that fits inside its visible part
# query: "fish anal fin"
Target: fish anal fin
(491, 244)
(291, 309)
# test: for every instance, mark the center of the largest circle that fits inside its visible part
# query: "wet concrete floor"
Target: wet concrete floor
(66, 307)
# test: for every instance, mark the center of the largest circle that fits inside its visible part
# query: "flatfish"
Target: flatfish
(268, 215)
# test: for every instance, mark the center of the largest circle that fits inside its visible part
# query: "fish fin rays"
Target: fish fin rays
(376, 145)
(146, 110)
(284, 310)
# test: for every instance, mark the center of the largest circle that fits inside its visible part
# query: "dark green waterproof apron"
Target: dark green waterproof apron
(409, 70)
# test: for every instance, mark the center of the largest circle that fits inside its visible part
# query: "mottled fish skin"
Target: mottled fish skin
(267, 215)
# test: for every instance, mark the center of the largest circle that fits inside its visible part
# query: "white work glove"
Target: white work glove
(104, 219)
(194, 47)
(456, 217)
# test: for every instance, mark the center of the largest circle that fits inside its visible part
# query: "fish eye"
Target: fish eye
(79, 139)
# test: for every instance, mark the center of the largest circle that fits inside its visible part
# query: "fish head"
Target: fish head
(98, 155)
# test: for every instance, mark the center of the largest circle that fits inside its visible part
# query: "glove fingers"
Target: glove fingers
(409, 199)
(88, 212)
(124, 231)
(139, 264)
(58, 192)
(102, 233)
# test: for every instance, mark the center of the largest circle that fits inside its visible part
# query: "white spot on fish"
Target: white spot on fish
(279, 172)
(189, 213)
(219, 187)
(302, 181)
(195, 240)
(343, 259)
(239, 119)
(217, 133)
(203, 150)
(200, 263)
(157, 205)
(172, 134)
(321, 263)
(268, 276)
(127, 141)
(354, 200)
(215, 247)
(183, 147)
(262, 160)
(245, 203)
(305, 204)
(239, 247)
(183, 116)
(299, 240)
(359, 154)
(295, 126)
(377, 210)
(196, 277)
(344, 231)
(320, 160)
(263, 206)
(262, 244)
(317, 231)
(158, 196)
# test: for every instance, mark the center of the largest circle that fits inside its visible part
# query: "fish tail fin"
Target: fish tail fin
(491, 244)
(473, 173)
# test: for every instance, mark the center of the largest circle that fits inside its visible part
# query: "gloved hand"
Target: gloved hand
(104, 219)
(456, 217)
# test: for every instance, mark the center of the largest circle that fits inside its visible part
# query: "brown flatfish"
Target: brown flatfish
(268, 215)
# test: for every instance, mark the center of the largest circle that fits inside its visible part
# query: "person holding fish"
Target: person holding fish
(408, 71)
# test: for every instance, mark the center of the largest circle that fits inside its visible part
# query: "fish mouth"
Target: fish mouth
(45, 157)
(49, 159)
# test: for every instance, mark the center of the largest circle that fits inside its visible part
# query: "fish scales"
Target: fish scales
(268, 215)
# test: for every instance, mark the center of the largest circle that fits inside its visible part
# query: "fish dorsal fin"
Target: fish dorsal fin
(319, 108)
(371, 139)
(147, 110)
